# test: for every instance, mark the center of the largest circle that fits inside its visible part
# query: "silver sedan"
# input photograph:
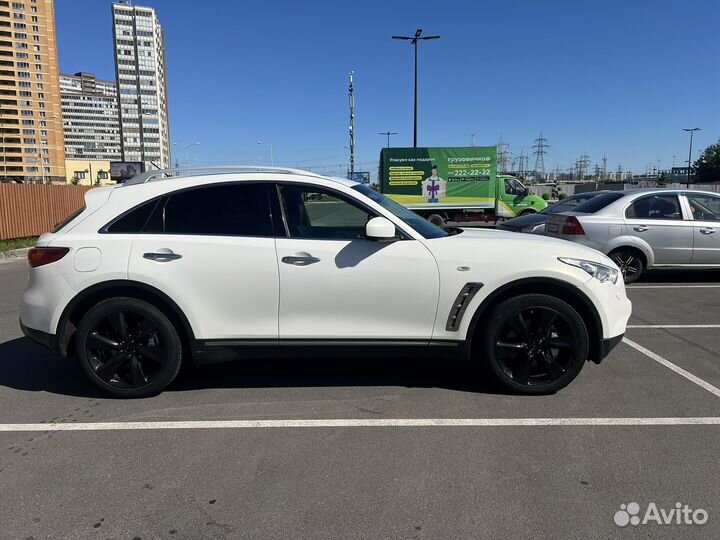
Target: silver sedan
(644, 229)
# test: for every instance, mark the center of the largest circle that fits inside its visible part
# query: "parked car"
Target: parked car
(261, 261)
(535, 222)
(645, 229)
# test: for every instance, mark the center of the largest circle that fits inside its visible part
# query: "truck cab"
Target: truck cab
(514, 199)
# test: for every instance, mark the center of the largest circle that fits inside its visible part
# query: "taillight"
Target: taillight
(40, 256)
(572, 226)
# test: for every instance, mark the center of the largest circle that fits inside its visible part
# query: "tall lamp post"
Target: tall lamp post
(414, 42)
(692, 131)
(269, 145)
(387, 134)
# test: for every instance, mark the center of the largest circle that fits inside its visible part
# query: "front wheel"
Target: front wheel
(128, 348)
(535, 344)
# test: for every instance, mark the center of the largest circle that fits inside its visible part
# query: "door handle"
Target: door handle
(707, 230)
(162, 257)
(300, 261)
(641, 228)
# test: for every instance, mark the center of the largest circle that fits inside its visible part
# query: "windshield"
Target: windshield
(420, 224)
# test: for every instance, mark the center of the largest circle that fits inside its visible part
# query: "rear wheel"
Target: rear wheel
(630, 263)
(128, 348)
(535, 344)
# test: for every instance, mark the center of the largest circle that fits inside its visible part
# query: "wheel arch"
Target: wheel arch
(634, 243)
(548, 286)
(85, 299)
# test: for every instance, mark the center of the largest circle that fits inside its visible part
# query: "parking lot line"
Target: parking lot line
(363, 422)
(673, 287)
(677, 369)
(673, 326)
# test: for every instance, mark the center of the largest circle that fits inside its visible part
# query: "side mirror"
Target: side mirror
(380, 228)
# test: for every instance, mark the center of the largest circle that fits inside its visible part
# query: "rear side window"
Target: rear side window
(221, 210)
(230, 209)
(655, 207)
(597, 203)
(135, 220)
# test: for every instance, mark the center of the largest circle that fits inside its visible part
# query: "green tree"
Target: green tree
(707, 168)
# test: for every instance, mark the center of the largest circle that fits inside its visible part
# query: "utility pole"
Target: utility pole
(414, 42)
(352, 126)
(692, 131)
(604, 166)
(503, 155)
(387, 134)
(540, 146)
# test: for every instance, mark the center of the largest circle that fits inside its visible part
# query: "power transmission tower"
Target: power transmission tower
(503, 155)
(523, 163)
(540, 146)
(583, 164)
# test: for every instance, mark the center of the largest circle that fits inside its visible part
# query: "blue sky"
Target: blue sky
(621, 77)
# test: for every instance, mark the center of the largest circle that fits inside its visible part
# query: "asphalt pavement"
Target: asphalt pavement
(253, 458)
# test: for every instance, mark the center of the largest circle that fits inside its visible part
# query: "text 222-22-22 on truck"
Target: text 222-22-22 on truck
(454, 184)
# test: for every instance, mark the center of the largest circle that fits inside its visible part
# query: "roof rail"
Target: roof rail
(179, 172)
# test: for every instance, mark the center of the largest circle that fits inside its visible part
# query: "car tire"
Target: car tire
(436, 219)
(128, 348)
(630, 263)
(535, 344)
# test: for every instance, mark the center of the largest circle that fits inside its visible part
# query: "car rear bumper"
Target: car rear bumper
(40, 337)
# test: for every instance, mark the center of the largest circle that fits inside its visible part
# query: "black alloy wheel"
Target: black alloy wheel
(537, 344)
(630, 264)
(128, 347)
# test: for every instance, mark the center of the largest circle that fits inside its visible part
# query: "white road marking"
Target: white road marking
(677, 369)
(673, 287)
(673, 326)
(363, 422)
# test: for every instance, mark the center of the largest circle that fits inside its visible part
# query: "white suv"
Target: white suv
(244, 264)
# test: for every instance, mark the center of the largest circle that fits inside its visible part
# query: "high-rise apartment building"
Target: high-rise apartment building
(139, 45)
(90, 118)
(31, 130)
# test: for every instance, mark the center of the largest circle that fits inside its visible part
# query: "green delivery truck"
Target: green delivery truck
(454, 184)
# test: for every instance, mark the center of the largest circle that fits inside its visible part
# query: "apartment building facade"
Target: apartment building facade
(31, 128)
(139, 46)
(91, 119)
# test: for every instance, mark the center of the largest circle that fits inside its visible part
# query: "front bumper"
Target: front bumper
(607, 345)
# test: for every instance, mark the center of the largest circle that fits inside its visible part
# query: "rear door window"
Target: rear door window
(239, 209)
(655, 207)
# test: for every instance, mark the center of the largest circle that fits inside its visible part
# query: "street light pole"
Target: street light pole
(414, 42)
(387, 134)
(692, 131)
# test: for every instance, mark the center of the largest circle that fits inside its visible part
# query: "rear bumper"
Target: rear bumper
(40, 337)
(607, 345)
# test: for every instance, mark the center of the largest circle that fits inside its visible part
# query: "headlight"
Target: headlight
(599, 271)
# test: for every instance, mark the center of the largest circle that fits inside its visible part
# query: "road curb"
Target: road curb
(13, 254)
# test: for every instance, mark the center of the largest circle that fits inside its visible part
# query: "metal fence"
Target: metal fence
(32, 209)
